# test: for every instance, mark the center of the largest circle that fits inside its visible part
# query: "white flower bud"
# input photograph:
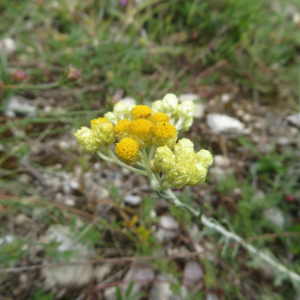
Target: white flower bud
(111, 117)
(157, 106)
(170, 104)
(121, 110)
(186, 109)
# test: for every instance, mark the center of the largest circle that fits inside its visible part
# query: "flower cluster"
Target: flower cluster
(140, 127)
(184, 166)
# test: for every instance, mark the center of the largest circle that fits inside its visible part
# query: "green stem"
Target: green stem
(168, 195)
(35, 87)
(151, 153)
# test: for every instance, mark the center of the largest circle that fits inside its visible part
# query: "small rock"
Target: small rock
(221, 161)
(132, 199)
(199, 110)
(7, 46)
(161, 290)
(21, 219)
(70, 202)
(217, 173)
(247, 131)
(23, 278)
(20, 105)
(247, 118)
(223, 123)
(190, 97)
(39, 213)
(7, 239)
(74, 185)
(275, 216)
(101, 271)
(70, 274)
(283, 141)
(168, 225)
(225, 98)
(192, 274)
(110, 293)
(211, 297)
(143, 277)
(128, 101)
(294, 120)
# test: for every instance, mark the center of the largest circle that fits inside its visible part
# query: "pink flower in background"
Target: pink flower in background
(123, 2)
(19, 76)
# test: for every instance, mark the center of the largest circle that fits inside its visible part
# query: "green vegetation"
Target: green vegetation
(144, 51)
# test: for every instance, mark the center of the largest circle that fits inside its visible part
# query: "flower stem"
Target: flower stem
(112, 158)
(168, 195)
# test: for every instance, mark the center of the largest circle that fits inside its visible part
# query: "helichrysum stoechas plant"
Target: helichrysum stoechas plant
(147, 138)
(140, 128)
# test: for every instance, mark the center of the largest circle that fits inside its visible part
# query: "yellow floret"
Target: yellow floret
(99, 121)
(141, 112)
(142, 131)
(122, 129)
(159, 117)
(165, 134)
(164, 130)
(128, 150)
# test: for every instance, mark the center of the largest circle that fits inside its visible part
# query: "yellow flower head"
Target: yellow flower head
(165, 134)
(164, 159)
(141, 112)
(205, 158)
(103, 130)
(87, 140)
(128, 151)
(122, 129)
(197, 174)
(159, 117)
(142, 131)
(179, 175)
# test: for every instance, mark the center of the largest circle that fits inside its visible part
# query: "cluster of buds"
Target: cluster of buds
(183, 167)
(142, 131)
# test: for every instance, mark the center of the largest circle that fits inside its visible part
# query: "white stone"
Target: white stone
(190, 97)
(199, 110)
(161, 290)
(133, 199)
(225, 98)
(167, 225)
(74, 185)
(101, 271)
(128, 101)
(294, 119)
(110, 293)
(221, 161)
(21, 219)
(7, 239)
(211, 297)
(70, 274)
(168, 222)
(223, 123)
(70, 202)
(247, 118)
(283, 141)
(145, 275)
(20, 105)
(275, 216)
(192, 274)
(217, 173)
(7, 46)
